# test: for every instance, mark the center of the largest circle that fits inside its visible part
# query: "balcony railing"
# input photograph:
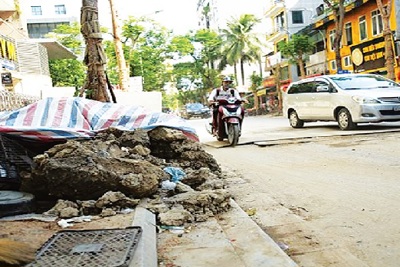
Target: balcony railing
(274, 7)
(317, 58)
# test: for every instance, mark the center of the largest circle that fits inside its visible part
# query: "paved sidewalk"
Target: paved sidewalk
(230, 239)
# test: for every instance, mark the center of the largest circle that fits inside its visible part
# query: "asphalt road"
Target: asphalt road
(329, 197)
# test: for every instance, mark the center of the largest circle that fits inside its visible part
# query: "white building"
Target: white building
(23, 60)
(287, 17)
(43, 16)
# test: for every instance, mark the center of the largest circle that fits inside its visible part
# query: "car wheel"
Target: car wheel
(345, 121)
(294, 120)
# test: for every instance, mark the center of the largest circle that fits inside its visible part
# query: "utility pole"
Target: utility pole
(123, 71)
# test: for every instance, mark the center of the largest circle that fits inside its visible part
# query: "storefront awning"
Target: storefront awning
(55, 50)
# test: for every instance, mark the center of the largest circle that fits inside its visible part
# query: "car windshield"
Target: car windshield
(195, 106)
(362, 82)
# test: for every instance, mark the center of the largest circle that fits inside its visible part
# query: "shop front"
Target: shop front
(369, 57)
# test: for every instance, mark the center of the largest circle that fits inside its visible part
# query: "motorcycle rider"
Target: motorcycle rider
(225, 90)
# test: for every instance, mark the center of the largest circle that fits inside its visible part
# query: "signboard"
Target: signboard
(6, 79)
(343, 72)
(369, 55)
(268, 82)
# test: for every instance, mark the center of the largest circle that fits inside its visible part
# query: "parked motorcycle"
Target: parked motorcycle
(229, 120)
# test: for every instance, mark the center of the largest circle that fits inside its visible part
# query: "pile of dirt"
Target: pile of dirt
(161, 169)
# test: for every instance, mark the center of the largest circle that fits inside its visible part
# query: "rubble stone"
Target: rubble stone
(118, 169)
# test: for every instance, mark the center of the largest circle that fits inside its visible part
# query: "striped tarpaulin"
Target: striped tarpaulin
(63, 118)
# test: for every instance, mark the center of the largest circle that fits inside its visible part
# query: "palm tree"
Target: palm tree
(95, 85)
(241, 44)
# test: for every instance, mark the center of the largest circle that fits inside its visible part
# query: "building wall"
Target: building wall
(280, 15)
(40, 24)
(48, 11)
(377, 40)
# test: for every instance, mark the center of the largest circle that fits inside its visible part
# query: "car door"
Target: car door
(304, 100)
(323, 108)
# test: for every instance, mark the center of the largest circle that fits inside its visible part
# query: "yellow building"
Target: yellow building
(362, 47)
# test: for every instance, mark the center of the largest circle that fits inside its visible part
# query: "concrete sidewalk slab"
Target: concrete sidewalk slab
(229, 239)
(146, 251)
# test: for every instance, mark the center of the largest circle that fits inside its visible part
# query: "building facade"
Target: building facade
(43, 16)
(24, 61)
(362, 47)
(286, 18)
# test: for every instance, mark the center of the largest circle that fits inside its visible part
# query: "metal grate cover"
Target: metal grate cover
(91, 248)
(13, 159)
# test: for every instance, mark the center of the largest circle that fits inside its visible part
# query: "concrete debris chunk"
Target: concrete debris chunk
(120, 169)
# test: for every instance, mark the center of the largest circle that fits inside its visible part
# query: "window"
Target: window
(39, 30)
(332, 63)
(297, 17)
(60, 9)
(36, 10)
(348, 33)
(280, 22)
(377, 26)
(346, 61)
(307, 87)
(363, 28)
(332, 39)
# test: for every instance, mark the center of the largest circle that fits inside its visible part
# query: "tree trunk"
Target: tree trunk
(242, 70)
(235, 72)
(95, 85)
(123, 72)
(387, 34)
(338, 13)
(300, 61)
(277, 71)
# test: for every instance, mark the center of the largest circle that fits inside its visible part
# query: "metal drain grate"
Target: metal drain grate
(89, 248)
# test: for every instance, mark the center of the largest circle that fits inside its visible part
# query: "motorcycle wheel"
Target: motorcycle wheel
(233, 134)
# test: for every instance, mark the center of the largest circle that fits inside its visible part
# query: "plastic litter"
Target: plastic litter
(64, 223)
(168, 185)
(178, 230)
(176, 173)
(126, 211)
(283, 246)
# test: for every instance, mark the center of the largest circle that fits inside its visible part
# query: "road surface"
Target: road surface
(328, 197)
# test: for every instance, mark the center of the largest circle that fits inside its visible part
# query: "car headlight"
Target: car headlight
(365, 100)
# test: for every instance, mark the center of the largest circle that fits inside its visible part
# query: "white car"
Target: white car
(346, 98)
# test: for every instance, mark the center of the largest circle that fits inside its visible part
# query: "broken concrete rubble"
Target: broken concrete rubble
(120, 169)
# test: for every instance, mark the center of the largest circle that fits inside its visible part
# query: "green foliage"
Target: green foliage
(68, 35)
(297, 48)
(148, 49)
(67, 72)
(241, 44)
(256, 81)
(112, 69)
(181, 46)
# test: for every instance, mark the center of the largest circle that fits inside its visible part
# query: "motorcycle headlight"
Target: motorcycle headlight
(365, 100)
